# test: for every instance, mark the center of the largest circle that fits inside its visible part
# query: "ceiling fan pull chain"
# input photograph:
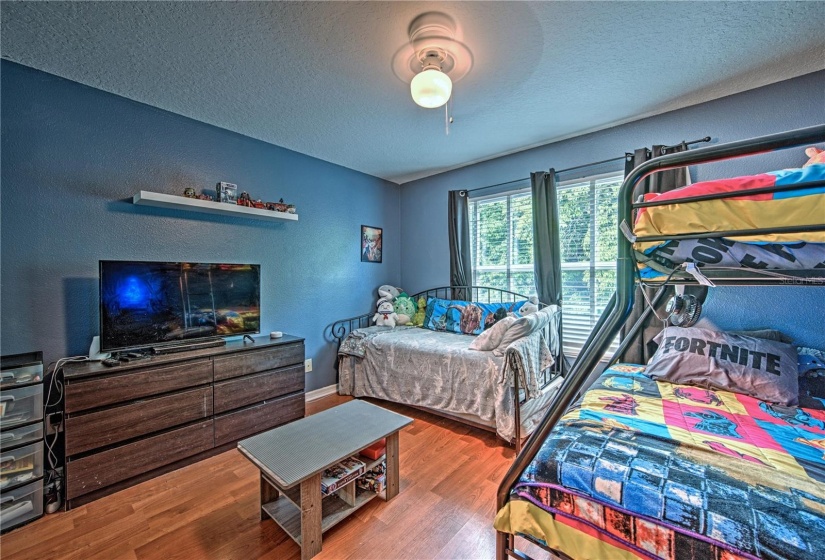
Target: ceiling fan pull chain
(448, 120)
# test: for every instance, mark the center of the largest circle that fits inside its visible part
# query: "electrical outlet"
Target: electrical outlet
(308, 365)
(52, 423)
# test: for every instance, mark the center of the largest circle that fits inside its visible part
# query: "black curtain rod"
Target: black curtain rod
(595, 163)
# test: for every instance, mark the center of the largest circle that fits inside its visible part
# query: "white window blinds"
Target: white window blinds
(587, 228)
(501, 236)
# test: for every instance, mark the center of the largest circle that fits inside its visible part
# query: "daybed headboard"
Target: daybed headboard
(340, 329)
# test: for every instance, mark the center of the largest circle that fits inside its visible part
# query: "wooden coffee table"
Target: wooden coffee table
(291, 459)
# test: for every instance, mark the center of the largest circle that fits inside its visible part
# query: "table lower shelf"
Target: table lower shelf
(333, 510)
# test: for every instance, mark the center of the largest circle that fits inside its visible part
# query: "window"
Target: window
(501, 235)
(589, 248)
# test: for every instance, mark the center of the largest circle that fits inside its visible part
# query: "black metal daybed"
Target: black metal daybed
(646, 468)
(511, 397)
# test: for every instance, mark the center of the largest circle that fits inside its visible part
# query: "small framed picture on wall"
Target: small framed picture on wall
(371, 244)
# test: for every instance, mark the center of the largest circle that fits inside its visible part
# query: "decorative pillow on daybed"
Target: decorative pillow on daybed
(492, 337)
(525, 326)
(764, 369)
(463, 317)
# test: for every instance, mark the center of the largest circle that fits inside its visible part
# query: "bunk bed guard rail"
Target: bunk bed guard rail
(619, 307)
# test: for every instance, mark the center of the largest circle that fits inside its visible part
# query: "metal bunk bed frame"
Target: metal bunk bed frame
(340, 329)
(619, 307)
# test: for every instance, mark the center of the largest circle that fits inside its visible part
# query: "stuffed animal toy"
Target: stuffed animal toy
(404, 307)
(530, 306)
(418, 318)
(388, 292)
(385, 315)
(816, 155)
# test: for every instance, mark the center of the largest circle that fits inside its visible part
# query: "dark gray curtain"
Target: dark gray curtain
(546, 244)
(461, 272)
(642, 347)
(547, 247)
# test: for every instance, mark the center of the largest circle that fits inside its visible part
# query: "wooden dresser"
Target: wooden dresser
(132, 422)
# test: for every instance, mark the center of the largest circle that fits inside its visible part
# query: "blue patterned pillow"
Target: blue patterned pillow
(489, 310)
(463, 317)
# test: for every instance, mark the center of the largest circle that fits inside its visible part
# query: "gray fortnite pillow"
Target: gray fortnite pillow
(760, 368)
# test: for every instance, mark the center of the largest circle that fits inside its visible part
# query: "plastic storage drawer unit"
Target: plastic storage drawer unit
(21, 375)
(21, 505)
(20, 406)
(18, 437)
(21, 465)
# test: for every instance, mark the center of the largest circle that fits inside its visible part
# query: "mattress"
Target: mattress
(649, 469)
(804, 207)
(437, 370)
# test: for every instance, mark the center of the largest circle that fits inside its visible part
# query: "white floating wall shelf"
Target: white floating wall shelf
(147, 198)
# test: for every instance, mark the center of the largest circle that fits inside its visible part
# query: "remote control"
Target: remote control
(111, 362)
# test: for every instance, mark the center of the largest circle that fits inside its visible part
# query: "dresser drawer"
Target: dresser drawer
(249, 421)
(251, 389)
(255, 361)
(136, 384)
(113, 425)
(124, 462)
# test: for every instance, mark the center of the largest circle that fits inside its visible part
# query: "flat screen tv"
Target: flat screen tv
(146, 304)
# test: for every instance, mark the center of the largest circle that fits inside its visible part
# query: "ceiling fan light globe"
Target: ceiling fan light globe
(431, 88)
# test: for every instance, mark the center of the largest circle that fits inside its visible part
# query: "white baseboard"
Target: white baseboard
(322, 392)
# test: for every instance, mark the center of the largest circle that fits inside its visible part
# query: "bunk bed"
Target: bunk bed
(437, 371)
(620, 474)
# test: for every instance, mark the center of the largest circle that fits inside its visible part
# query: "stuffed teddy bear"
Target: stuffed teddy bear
(418, 318)
(385, 315)
(404, 307)
(816, 155)
(530, 306)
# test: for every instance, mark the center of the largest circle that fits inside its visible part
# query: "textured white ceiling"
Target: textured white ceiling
(316, 77)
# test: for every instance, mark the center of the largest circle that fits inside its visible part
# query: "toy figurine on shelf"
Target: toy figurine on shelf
(189, 192)
(277, 206)
(245, 200)
(259, 204)
(204, 196)
(290, 208)
(226, 192)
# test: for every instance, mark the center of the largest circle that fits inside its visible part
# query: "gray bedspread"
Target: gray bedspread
(437, 370)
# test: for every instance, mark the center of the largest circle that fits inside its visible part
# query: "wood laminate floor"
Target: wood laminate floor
(209, 510)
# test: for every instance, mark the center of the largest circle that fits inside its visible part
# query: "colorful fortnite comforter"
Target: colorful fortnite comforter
(649, 469)
(802, 207)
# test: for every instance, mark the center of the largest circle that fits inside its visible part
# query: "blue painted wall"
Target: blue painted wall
(786, 105)
(72, 157)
